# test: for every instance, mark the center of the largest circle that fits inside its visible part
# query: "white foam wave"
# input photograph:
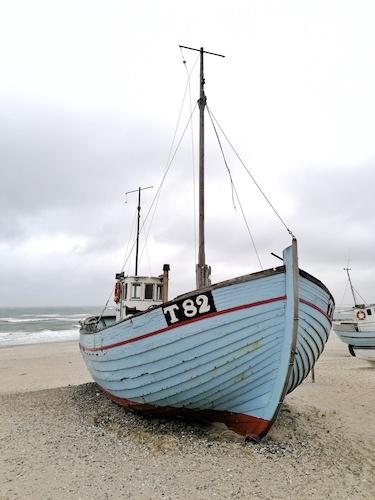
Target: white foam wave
(23, 320)
(41, 318)
(62, 316)
(17, 338)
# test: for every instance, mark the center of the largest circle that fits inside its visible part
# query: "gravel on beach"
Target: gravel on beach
(72, 443)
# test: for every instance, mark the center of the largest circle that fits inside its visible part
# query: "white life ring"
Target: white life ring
(361, 315)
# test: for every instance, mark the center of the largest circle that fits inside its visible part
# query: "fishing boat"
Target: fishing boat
(227, 352)
(356, 327)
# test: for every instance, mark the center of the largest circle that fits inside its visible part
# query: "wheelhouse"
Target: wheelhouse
(134, 294)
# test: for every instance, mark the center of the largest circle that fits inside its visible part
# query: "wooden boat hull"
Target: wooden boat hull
(363, 352)
(360, 338)
(233, 363)
(350, 334)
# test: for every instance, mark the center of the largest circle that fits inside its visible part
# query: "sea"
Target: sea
(29, 325)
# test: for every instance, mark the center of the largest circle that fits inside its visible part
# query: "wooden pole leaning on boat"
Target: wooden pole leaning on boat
(202, 270)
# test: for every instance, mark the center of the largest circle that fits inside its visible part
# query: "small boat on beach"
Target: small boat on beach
(357, 327)
(226, 352)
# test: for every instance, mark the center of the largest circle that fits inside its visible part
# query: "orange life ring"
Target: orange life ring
(361, 315)
(117, 292)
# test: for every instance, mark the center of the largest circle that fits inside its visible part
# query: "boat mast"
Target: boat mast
(138, 221)
(202, 274)
(202, 270)
(347, 269)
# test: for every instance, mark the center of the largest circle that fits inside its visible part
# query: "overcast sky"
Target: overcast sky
(90, 93)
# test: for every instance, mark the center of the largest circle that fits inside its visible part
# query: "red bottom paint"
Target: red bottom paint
(246, 425)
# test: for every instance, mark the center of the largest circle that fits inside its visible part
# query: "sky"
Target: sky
(90, 98)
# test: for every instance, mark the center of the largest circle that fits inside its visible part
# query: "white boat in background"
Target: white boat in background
(356, 327)
(227, 352)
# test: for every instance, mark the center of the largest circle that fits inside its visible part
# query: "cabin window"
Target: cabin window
(159, 289)
(369, 312)
(149, 291)
(125, 291)
(136, 291)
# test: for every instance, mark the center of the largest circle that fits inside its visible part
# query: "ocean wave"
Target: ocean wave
(42, 318)
(17, 338)
(58, 315)
(24, 320)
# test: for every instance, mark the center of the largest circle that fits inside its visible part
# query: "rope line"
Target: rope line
(343, 295)
(357, 292)
(193, 165)
(253, 179)
(161, 184)
(187, 88)
(171, 157)
(234, 190)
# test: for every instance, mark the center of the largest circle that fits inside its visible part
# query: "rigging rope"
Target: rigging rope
(252, 178)
(189, 73)
(170, 160)
(343, 295)
(160, 185)
(364, 300)
(235, 190)
(127, 247)
(171, 157)
(187, 87)
(148, 259)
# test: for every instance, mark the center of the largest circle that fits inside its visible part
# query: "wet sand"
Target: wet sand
(61, 439)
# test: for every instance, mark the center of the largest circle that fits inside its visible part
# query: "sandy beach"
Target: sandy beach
(61, 439)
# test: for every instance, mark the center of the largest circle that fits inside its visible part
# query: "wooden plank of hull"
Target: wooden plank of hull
(232, 364)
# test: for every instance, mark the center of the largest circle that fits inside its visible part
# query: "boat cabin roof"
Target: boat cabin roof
(142, 279)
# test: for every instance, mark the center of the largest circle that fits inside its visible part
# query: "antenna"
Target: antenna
(139, 217)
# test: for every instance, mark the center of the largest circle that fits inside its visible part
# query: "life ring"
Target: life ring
(117, 292)
(361, 315)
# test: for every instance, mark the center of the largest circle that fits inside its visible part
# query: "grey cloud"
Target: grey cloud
(67, 172)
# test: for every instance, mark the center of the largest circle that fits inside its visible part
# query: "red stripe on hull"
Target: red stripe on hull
(310, 304)
(194, 320)
(245, 425)
(178, 325)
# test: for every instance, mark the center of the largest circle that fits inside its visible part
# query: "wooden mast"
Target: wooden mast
(202, 270)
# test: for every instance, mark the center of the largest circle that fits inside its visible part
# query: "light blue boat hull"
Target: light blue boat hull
(357, 339)
(234, 364)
